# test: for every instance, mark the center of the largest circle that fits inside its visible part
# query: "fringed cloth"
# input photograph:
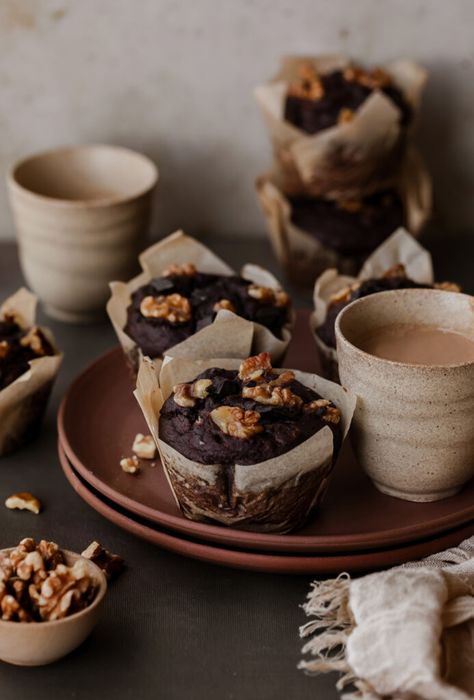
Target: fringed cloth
(402, 634)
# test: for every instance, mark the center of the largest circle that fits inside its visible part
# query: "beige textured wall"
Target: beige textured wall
(173, 78)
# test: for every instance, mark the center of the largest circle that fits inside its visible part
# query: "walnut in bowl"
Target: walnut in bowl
(50, 600)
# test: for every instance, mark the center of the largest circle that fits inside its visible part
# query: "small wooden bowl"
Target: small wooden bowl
(41, 643)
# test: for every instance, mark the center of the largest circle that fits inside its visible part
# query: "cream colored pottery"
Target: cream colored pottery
(40, 643)
(81, 215)
(413, 427)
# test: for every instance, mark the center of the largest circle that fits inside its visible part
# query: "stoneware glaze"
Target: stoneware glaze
(413, 428)
(81, 215)
(41, 643)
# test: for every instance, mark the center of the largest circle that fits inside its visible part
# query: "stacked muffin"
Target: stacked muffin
(345, 175)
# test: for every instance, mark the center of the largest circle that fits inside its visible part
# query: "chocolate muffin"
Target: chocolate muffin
(351, 226)
(173, 307)
(319, 101)
(246, 416)
(394, 278)
(17, 348)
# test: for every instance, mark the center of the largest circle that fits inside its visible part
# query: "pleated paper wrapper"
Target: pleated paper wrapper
(346, 160)
(178, 248)
(302, 255)
(400, 248)
(276, 495)
(23, 402)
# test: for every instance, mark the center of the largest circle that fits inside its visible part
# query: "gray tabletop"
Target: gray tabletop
(172, 627)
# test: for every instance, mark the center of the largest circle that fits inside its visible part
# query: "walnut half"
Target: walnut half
(24, 501)
(185, 395)
(272, 395)
(324, 408)
(268, 295)
(237, 422)
(253, 368)
(184, 270)
(172, 307)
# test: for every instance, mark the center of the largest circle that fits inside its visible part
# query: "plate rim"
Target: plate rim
(233, 536)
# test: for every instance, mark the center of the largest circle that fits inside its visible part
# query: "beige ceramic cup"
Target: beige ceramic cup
(40, 643)
(413, 427)
(81, 215)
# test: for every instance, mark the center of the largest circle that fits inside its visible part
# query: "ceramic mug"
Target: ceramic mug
(413, 427)
(81, 215)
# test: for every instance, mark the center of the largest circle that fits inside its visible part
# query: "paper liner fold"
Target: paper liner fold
(274, 495)
(24, 401)
(348, 160)
(179, 248)
(302, 255)
(399, 248)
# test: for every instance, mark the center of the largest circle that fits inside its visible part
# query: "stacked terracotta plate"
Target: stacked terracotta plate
(357, 528)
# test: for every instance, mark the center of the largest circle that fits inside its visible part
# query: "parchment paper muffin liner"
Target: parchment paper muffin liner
(302, 255)
(24, 401)
(276, 495)
(348, 160)
(400, 247)
(179, 248)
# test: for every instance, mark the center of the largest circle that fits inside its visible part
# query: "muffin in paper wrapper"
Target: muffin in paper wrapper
(178, 248)
(23, 402)
(276, 495)
(399, 248)
(346, 160)
(302, 255)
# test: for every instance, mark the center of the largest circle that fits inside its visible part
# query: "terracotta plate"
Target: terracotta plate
(99, 418)
(258, 561)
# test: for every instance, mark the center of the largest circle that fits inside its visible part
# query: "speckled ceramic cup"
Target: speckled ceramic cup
(413, 427)
(81, 215)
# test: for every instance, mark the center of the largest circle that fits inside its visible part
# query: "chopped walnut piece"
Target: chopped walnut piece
(272, 396)
(395, 271)
(308, 85)
(345, 116)
(35, 340)
(111, 564)
(52, 555)
(236, 422)
(374, 79)
(144, 446)
(224, 304)
(253, 368)
(66, 590)
(283, 378)
(172, 307)
(185, 395)
(186, 270)
(350, 205)
(4, 349)
(277, 297)
(13, 611)
(448, 286)
(24, 501)
(32, 563)
(130, 465)
(342, 295)
(328, 412)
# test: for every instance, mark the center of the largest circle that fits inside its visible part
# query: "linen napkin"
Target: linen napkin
(402, 634)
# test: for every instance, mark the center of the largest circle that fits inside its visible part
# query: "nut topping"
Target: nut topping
(345, 116)
(343, 294)
(448, 286)
(272, 396)
(144, 446)
(236, 422)
(24, 501)
(66, 590)
(325, 409)
(350, 205)
(224, 304)
(374, 79)
(185, 395)
(308, 85)
(395, 271)
(35, 340)
(184, 270)
(277, 297)
(130, 465)
(172, 307)
(254, 367)
(4, 349)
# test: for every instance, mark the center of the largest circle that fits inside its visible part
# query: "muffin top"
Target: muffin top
(171, 308)
(318, 101)
(18, 347)
(394, 278)
(350, 226)
(244, 416)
